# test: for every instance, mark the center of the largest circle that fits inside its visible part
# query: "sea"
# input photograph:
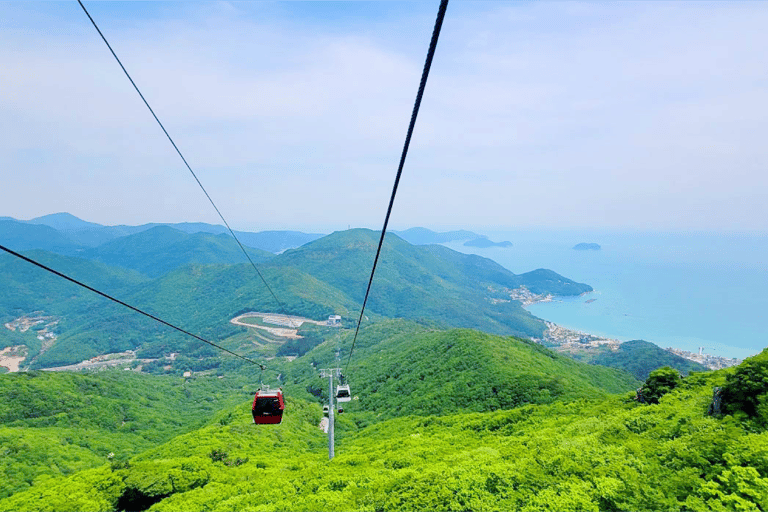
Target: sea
(694, 291)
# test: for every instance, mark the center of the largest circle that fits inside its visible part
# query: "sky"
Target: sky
(607, 115)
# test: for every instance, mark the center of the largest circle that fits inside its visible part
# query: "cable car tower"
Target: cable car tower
(332, 394)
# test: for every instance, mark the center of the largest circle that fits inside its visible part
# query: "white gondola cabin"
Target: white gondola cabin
(342, 393)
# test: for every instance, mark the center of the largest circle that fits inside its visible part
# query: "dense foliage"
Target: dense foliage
(606, 454)
(746, 389)
(402, 368)
(57, 423)
(659, 383)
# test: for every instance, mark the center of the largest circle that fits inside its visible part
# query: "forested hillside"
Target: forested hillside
(637, 357)
(56, 423)
(442, 418)
(401, 368)
(431, 282)
(609, 453)
(192, 280)
(159, 250)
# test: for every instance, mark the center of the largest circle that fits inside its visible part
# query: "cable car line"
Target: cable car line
(137, 310)
(417, 104)
(282, 308)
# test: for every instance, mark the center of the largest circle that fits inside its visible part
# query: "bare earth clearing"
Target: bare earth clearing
(289, 324)
(11, 357)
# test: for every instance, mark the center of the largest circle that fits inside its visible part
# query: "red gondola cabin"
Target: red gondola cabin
(268, 406)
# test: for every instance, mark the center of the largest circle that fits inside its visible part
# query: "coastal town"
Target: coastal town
(569, 338)
(525, 297)
(708, 360)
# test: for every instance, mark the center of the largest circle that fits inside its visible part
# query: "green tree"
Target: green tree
(659, 383)
(746, 389)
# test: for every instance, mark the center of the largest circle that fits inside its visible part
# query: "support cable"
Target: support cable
(137, 310)
(282, 308)
(417, 104)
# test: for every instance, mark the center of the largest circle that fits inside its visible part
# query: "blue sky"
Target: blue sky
(622, 115)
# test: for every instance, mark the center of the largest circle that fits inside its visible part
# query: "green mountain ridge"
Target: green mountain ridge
(402, 368)
(159, 250)
(77, 234)
(18, 236)
(425, 281)
(132, 415)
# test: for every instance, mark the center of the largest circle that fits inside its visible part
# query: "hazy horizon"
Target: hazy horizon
(489, 231)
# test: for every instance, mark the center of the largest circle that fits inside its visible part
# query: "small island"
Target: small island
(584, 246)
(484, 242)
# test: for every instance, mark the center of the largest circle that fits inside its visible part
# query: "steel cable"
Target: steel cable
(133, 308)
(414, 114)
(280, 304)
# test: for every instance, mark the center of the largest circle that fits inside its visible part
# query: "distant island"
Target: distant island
(484, 242)
(584, 246)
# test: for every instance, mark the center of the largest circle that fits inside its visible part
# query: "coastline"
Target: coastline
(564, 339)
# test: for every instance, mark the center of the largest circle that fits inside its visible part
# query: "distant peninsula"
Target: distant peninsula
(584, 246)
(424, 236)
(484, 242)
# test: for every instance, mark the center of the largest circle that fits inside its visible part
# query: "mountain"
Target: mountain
(79, 233)
(639, 358)
(539, 281)
(83, 324)
(424, 236)
(425, 281)
(484, 242)
(190, 281)
(159, 250)
(64, 222)
(20, 236)
(27, 288)
(400, 368)
(271, 241)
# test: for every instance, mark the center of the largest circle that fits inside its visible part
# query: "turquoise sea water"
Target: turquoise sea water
(681, 290)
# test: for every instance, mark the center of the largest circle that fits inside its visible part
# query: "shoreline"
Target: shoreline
(566, 339)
